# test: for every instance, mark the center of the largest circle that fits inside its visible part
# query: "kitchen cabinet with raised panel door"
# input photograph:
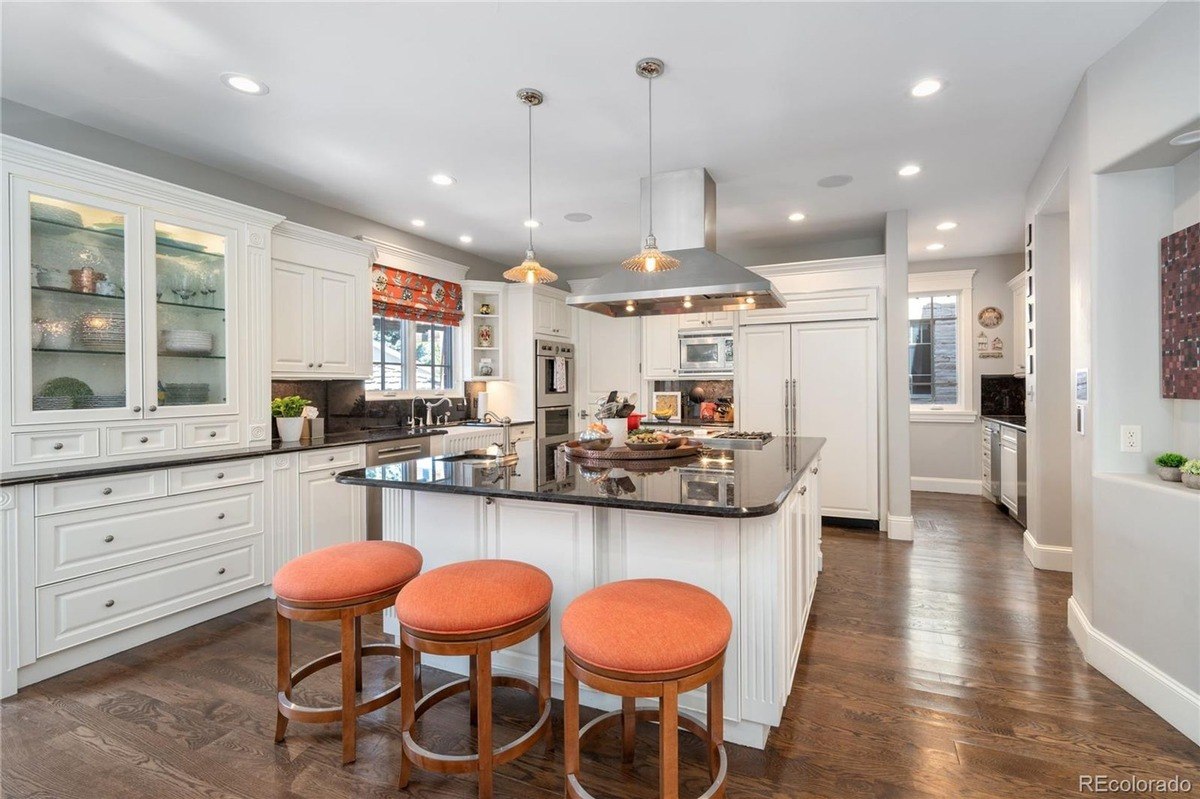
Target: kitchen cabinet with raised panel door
(551, 317)
(660, 347)
(331, 513)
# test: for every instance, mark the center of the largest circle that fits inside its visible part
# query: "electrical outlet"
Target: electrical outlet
(1131, 438)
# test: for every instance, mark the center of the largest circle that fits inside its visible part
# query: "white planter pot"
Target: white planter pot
(289, 427)
(1169, 473)
(1191, 480)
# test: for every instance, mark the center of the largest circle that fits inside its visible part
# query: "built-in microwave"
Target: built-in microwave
(705, 353)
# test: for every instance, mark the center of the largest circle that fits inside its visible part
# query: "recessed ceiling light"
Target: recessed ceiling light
(577, 216)
(1183, 139)
(796, 217)
(629, 307)
(947, 225)
(935, 246)
(443, 180)
(532, 223)
(927, 87)
(243, 83)
(466, 239)
(908, 170)
(418, 223)
(834, 181)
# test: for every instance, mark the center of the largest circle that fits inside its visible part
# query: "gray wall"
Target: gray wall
(37, 126)
(952, 451)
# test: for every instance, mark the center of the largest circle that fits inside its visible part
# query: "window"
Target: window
(940, 356)
(933, 349)
(412, 357)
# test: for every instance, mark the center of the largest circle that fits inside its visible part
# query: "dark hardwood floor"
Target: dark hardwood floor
(937, 669)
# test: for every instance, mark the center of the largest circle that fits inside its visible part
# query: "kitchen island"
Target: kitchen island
(743, 524)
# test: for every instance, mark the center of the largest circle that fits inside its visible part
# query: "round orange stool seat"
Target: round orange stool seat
(347, 572)
(646, 627)
(473, 597)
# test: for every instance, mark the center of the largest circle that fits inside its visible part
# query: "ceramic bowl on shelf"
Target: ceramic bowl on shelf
(47, 278)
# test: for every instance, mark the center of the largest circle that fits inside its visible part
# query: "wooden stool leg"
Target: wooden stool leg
(418, 686)
(283, 669)
(716, 722)
(349, 716)
(473, 676)
(668, 736)
(628, 727)
(358, 643)
(544, 682)
(407, 708)
(484, 693)
(570, 719)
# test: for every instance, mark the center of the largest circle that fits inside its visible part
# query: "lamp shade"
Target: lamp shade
(530, 271)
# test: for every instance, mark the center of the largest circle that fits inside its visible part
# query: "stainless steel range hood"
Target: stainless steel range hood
(685, 226)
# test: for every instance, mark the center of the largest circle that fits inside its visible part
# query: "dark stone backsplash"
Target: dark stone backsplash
(713, 390)
(344, 405)
(1001, 395)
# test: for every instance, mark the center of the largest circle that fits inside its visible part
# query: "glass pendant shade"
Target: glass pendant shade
(650, 259)
(530, 271)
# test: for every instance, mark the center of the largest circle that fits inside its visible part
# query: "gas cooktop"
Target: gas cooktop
(739, 439)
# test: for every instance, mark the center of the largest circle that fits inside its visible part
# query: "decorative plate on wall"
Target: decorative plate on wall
(991, 316)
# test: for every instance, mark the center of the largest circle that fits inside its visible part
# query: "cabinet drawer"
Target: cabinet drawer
(97, 492)
(88, 541)
(184, 479)
(1008, 436)
(210, 434)
(141, 438)
(48, 446)
(336, 458)
(90, 607)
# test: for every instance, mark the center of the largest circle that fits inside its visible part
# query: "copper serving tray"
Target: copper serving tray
(578, 453)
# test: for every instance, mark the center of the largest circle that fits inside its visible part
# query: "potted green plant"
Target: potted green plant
(1191, 473)
(1168, 465)
(286, 411)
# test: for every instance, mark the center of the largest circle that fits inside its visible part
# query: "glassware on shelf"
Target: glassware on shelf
(183, 284)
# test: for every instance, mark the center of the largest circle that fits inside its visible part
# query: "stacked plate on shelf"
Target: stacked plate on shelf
(187, 342)
(185, 393)
(44, 403)
(101, 401)
(101, 330)
(45, 212)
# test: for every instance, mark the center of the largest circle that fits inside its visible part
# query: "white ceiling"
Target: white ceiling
(368, 100)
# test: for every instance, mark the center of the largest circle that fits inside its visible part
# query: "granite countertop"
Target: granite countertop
(1017, 422)
(721, 483)
(47, 474)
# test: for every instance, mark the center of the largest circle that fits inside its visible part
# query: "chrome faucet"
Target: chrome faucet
(507, 448)
(429, 406)
(412, 413)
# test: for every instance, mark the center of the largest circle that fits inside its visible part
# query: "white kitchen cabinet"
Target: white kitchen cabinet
(1019, 329)
(660, 347)
(484, 334)
(330, 513)
(551, 317)
(711, 320)
(607, 356)
(764, 373)
(321, 305)
(1008, 467)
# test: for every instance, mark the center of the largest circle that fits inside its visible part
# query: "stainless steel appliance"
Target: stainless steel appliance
(993, 429)
(713, 485)
(382, 453)
(737, 439)
(705, 354)
(555, 367)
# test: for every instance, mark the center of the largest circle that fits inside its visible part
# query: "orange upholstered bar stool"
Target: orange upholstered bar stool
(653, 639)
(473, 609)
(339, 583)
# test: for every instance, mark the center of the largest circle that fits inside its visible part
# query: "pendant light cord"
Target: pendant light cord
(650, 147)
(530, 218)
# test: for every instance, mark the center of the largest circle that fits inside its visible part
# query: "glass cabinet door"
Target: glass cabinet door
(75, 340)
(191, 335)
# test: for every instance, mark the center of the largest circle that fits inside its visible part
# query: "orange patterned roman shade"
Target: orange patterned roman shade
(398, 294)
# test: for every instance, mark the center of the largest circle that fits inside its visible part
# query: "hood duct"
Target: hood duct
(685, 225)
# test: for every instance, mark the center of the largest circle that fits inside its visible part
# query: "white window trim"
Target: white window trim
(457, 389)
(958, 282)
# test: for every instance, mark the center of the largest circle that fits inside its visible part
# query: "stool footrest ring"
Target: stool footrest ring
(466, 764)
(332, 713)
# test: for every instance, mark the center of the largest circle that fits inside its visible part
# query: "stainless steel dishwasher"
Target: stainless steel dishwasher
(382, 453)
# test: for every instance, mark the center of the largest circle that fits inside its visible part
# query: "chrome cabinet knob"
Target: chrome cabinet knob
(310, 366)
(331, 457)
(220, 475)
(815, 470)
(109, 603)
(137, 408)
(803, 490)
(58, 445)
(144, 439)
(152, 408)
(212, 434)
(221, 570)
(320, 365)
(108, 539)
(106, 491)
(220, 515)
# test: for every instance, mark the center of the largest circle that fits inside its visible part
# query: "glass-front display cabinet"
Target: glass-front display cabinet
(119, 313)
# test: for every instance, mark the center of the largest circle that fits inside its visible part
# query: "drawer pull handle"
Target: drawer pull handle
(144, 439)
(220, 475)
(108, 539)
(106, 491)
(221, 570)
(331, 457)
(814, 470)
(803, 490)
(212, 434)
(220, 515)
(58, 445)
(110, 603)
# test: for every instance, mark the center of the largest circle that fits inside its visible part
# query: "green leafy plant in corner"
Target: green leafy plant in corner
(1191, 467)
(1170, 460)
(288, 407)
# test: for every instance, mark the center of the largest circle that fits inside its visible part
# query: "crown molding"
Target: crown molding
(823, 265)
(45, 163)
(312, 235)
(431, 264)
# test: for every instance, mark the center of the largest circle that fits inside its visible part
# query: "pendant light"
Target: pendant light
(530, 271)
(650, 259)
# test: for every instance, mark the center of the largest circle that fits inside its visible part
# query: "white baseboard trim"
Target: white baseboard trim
(947, 485)
(1045, 556)
(900, 528)
(1166, 696)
